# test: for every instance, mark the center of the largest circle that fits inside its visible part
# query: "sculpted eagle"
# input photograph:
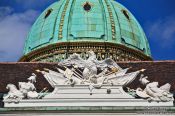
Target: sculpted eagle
(91, 65)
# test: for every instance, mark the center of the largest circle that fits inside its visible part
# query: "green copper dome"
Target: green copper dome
(87, 21)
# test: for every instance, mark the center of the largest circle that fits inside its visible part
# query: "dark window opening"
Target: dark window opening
(48, 13)
(144, 50)
(126, 14)
(123, 40)
(87, 7)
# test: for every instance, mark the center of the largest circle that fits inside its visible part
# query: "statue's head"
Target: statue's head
(144, 80)
(32, 79)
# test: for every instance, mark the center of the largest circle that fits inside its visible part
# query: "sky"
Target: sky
(157, 17)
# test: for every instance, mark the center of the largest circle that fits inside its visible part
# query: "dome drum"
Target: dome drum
(60, 51)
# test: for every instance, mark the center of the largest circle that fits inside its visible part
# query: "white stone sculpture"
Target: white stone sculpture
(154, 93)
(14, 95)
(79, 82)
(26, 90)
(95, 74)
(76, 71)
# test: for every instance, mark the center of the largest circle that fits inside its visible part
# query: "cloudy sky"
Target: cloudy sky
(157, 18)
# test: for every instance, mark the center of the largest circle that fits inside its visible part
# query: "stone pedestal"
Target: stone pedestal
(84, 92)
(80, 95)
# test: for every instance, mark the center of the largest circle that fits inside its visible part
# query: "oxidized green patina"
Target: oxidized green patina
(87, 20)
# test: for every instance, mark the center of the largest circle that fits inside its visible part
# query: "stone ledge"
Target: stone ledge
(95, 109)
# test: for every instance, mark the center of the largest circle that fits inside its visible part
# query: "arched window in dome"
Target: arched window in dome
(48, 12)
(87, 6)
(144, 50)
(126, 14)
(123, 40)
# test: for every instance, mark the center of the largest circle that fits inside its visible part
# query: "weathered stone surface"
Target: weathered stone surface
(160, 71)
(86, 111)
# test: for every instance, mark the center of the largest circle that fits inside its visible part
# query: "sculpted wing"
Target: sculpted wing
(75, 60)
(108, 62)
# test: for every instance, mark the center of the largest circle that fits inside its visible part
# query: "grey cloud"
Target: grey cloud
(162, 31)
(13, 32)
(4, 11)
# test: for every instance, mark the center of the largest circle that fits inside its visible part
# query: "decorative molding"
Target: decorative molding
(116, 51)
(111, 20)
(60, 35)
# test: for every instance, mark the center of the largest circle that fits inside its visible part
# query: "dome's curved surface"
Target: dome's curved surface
(104, 21)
